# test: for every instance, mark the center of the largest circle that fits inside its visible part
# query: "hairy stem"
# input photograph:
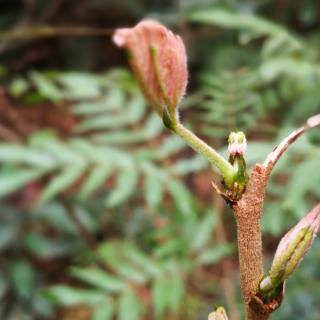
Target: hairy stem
(212, 155)
(247, 213)
(250, 259)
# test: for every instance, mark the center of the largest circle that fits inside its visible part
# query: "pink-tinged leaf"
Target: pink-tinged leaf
(295, 244)
(275, 155)
(313, 121)
(290, 252)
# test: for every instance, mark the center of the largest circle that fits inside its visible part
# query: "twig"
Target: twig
(219, 192)
(248, 212)
(49, 32)
(275, 155)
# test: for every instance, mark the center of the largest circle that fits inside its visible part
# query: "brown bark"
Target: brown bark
(247, 212)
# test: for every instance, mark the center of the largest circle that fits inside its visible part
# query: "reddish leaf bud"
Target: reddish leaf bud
(159, 61)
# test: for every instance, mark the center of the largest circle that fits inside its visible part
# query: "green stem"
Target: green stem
(200, 146)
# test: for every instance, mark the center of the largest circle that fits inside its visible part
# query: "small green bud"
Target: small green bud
(237, 147)
(237, 143)
(219, 314)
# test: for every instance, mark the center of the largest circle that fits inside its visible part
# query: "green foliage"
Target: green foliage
(96, 156)
(282, 81)
(233, 99)
(116, 148)
(120, 272)
(114, 215)
(238, 21)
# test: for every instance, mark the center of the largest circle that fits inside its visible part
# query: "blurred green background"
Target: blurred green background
(103, 213)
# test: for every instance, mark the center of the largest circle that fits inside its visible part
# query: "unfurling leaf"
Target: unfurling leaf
(159, 61)
(237, 147)
(290, 252)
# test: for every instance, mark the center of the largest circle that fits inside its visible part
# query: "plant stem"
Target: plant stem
(250, 254)
(247, 212)
(224, 167)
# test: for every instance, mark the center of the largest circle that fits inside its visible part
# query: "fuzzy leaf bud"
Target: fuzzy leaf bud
(237, 147)
(237, 143)
(290, 252)
(158, 59)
